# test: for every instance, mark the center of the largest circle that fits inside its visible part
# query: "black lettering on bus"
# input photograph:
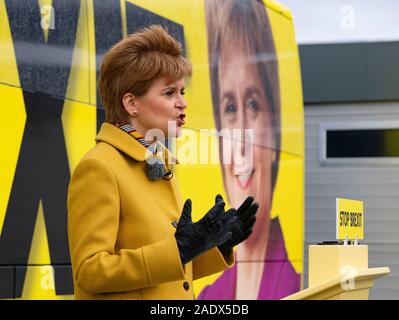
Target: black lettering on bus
(42, 171)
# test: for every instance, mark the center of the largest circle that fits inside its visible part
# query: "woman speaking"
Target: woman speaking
(130, 236)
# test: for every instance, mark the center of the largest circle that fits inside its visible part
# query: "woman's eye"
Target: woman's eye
(253, 105)
(182, 93)
(231, 108)
(169, 93)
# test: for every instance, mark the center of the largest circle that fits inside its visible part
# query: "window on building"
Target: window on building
(352, 143)
(362, 143)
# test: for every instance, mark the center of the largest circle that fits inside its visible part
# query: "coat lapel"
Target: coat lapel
(123, 142)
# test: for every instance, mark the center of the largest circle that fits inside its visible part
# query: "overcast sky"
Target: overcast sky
(331, 21)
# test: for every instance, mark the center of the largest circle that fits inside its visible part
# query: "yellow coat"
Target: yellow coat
(121, 236)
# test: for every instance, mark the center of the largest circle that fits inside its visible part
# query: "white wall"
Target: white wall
(332, 21)
(377, 185)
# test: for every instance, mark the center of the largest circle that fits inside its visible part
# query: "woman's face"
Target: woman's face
(243, 105)
(162, 104)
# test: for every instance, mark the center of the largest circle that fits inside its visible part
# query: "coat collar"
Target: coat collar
(123, 142)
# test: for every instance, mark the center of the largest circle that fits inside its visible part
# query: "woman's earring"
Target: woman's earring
(134, 113)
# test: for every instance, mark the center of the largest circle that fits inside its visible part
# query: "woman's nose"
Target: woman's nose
(245, 136)
(182, 103)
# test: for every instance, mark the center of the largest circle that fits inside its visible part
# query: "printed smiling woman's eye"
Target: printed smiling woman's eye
(230, 111)
(253, 107)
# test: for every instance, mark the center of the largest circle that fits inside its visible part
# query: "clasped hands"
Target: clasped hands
(224, 229)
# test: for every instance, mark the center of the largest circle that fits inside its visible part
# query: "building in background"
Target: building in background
(349, 54)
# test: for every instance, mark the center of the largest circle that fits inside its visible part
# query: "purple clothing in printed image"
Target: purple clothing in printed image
(279, 278)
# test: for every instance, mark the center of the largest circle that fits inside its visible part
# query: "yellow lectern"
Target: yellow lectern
(339, 272)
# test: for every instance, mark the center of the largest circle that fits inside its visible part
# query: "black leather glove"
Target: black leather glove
(195, 238)
(242, 227)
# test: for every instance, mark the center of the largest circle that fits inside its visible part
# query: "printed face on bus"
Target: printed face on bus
(243, 105)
